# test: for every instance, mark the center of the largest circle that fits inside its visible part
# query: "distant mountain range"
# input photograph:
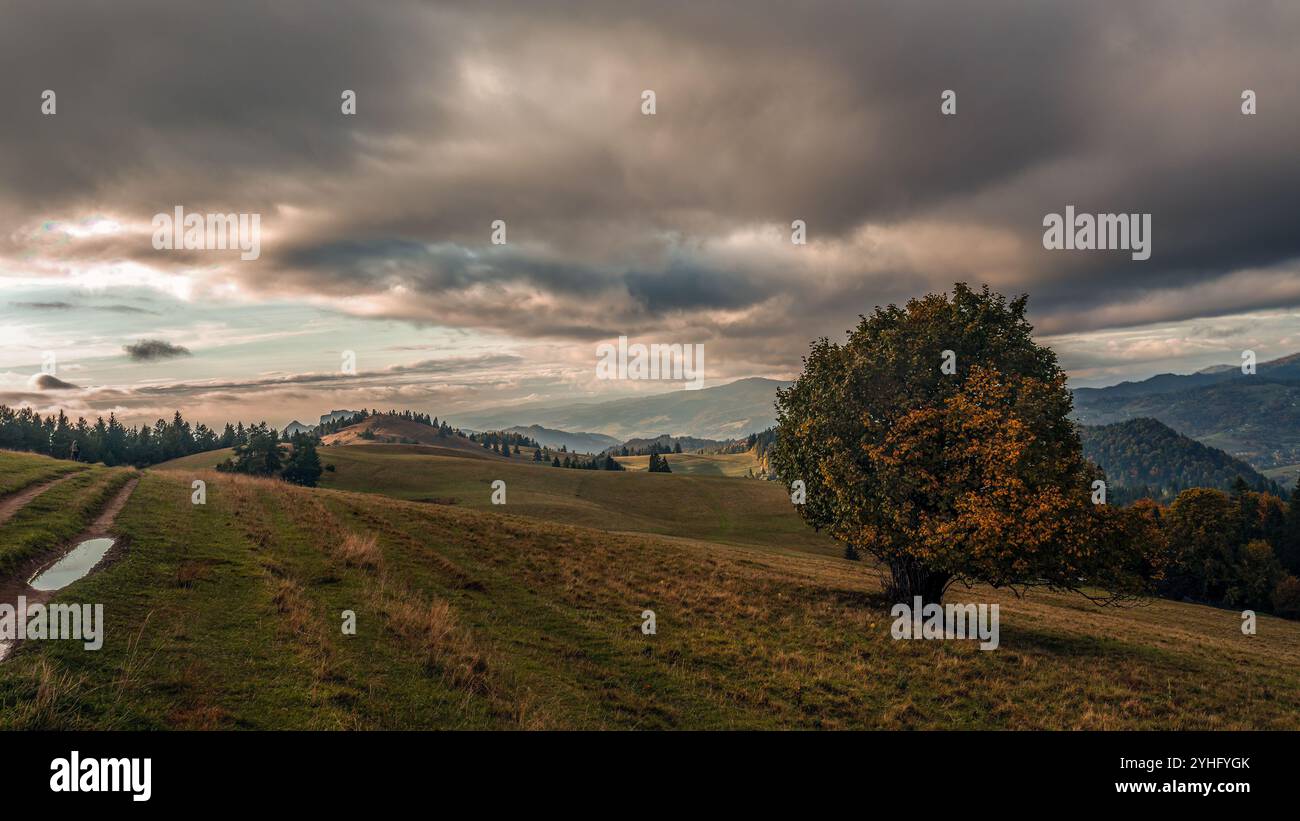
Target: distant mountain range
(1285, 369)
(664, 442)
(1141, 433)
(573, 442)
(1143, 457)
(724, 412)
(1255, 418)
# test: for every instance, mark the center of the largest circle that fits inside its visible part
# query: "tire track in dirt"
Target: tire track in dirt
(16, 501)
(106, 517)
(12, 588)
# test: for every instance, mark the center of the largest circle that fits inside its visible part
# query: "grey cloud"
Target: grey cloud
(67, 306)
(42, 306)
(825, 111)
(49, 382)
(152, 350)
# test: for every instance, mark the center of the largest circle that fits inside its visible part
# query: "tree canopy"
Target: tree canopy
(937, 439)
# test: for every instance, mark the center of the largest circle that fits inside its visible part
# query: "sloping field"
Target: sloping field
(700, 507)
(19, 471)
(206, 460)
(229, 615)
(737, 465)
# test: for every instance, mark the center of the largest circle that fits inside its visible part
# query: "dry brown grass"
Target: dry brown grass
(361, 550)
(292, 602)
(447, 648)
(429, 627)
(189, 573)
(48, 709)
(504, 622)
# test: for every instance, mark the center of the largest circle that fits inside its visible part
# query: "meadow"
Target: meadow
(698, 504)
(230, 615)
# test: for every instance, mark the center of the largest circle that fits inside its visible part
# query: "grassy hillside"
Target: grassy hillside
(1285, 475)
(1253, 418)
(1143, 457)
(388, 429)
(19, 470)
(700, 506)
(694, 464)
(228, 616)
(62, 498)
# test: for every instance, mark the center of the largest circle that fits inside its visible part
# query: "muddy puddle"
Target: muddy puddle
(39, 585)
(74, 565)
(68, 568)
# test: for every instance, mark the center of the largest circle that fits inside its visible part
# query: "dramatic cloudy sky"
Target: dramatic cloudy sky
(666, 228)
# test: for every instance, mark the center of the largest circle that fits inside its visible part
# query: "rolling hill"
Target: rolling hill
(1254, 418)
(227, 616)
(724, 412)
(385, 429)
(703, 506)
(573, 442)
(736, 465)
(1143, 457)
(1286, 368)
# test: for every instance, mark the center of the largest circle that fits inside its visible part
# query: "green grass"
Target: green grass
(227, 616)
(57, 515)
(19, 471)
(198, 461)
(736, 465)
(728, 511)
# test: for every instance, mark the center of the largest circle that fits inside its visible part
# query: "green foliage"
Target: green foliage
(303, 468)
(973, 476)
(108, 441)
(1286, 597)
(1224, 549)
(1256, 417)
(1257, 576)
(260, 455)
(1145, 458)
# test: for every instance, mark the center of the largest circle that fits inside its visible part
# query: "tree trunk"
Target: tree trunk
(910, 579)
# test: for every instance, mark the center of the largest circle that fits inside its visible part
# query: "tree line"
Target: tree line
(576, 461)
(111, 442)
(1238, 549)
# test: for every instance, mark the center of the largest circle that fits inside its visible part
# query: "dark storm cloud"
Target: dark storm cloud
(767, 112)
(153, 350)
(49, 382)
(159, 94)
(384, 263)
(686, 286)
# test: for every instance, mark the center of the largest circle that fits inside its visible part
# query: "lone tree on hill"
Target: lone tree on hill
(972, 473)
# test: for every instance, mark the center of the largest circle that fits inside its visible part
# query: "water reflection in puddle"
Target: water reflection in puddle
(77, 563)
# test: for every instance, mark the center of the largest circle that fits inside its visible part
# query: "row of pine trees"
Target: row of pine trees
(111, 442)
